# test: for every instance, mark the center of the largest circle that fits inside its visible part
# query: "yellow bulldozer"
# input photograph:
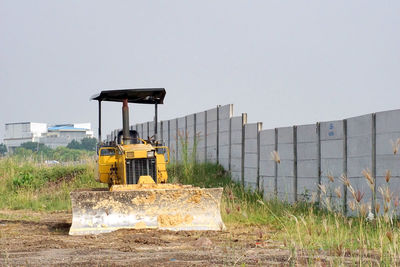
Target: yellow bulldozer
(135, 169)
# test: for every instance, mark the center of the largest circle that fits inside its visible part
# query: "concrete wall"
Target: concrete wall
(224, 141)
(201, 136)
(310, 155)
(307, 161)
(237, 165)
(174, 139)
(332, 154)
(387, 134)
(182, 137)
(212, 136)
(267, 164)
(359, 153)
(285, 181)
(251, 155)
(191, 136)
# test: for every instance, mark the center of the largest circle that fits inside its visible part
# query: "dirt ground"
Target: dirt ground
(31, 239)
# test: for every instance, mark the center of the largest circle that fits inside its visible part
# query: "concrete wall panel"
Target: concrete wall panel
(251, 131)
(388, 121)
(250, 160)
(331, 130)
(305, 188)
(267, 164)
(267, 168)
(224, 115)
(223, 139)
(307, 151)
(200, 131)
(250, 178)
(212, 114)
(359, 126)
(359, 152)
(285, 135)
(151, 128)
(285, 151)
(212, 135)
(332, 153)
(285, 188)
(388, 162)
(173, 140)
(332, 149)
(225, 112)
(251, 145)
(359, 146)
(236, 164)
(331, 166)
(236, 147)
(165, 133)
(224, 125)
(385, 143)
(306, 133)
(268, 187)
(251, 157)
(307, 169)
(267, 137)
(265, 152)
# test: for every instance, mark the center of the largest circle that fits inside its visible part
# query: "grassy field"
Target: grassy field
(29, 185)
(305, 229)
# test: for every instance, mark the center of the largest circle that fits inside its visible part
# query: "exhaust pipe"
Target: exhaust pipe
(125, 122)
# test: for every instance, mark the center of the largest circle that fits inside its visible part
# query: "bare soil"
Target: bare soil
(32, 239)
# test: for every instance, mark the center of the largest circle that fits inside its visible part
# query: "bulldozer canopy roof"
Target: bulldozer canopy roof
(140, 96)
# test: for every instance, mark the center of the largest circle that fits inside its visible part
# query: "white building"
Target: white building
(53, 136)
(22, 132)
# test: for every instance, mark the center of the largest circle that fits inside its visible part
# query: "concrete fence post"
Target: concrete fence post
(373, 159)
(344, 165)
(244, 122)
(318, 129)
(295, 162)
(276, 165)
(259, 185)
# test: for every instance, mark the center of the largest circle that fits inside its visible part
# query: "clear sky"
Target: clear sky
(282, 62)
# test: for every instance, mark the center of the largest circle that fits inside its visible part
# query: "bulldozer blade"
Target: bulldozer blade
(185, 208)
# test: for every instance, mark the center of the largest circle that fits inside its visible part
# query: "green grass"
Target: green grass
(28, 185)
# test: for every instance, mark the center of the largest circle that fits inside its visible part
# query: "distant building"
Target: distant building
(22, 132)
(63, 134)
(53, 136)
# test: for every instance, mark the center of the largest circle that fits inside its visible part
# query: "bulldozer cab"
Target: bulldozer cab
(129, 159)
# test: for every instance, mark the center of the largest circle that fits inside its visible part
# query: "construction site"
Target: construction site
(199, 133)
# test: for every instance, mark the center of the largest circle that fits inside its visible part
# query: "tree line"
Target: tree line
(75, 150)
